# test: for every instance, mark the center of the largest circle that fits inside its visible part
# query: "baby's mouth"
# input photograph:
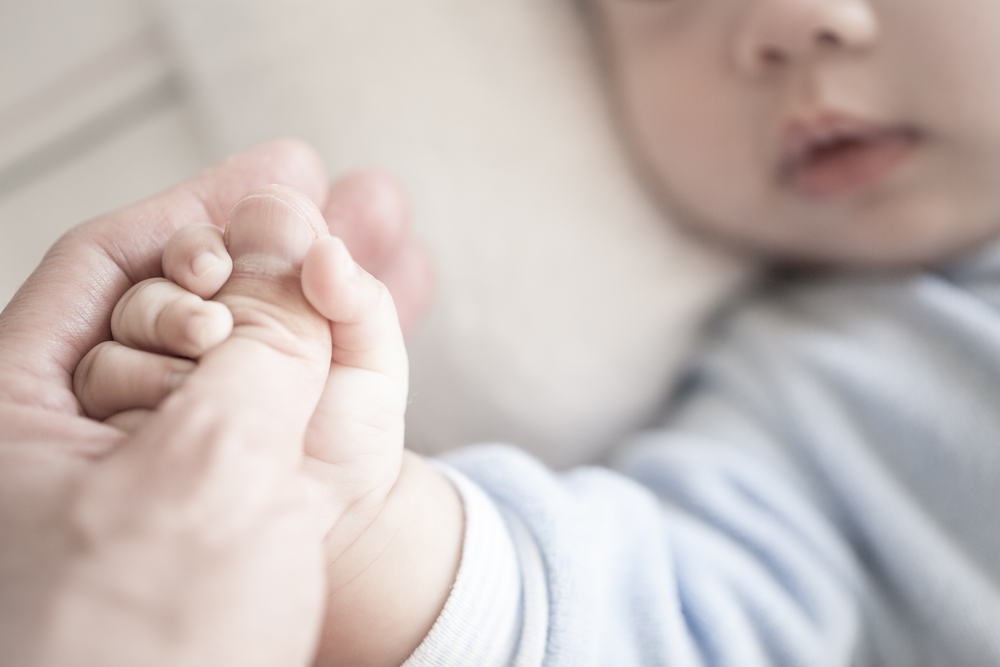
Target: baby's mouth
(838, 156)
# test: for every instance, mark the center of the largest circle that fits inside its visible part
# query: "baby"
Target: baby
(824, 490)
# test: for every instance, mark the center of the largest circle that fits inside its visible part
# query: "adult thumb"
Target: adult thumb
(264, 382)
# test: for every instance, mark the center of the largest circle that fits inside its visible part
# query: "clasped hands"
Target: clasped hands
(255, 507)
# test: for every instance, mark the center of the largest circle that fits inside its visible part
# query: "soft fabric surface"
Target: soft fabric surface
(824, 493)
(564, 301)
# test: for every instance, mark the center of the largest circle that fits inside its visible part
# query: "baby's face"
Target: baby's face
(848, 131)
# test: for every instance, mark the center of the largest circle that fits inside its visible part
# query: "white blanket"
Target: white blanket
(564, 301)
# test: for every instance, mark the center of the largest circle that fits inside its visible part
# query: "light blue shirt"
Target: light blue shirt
(826, 491)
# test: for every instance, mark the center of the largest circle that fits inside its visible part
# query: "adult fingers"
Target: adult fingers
(209, 490)
(130, 421)
(64, 308)
(370, 212)
(410, 280)
(264, 381)
(113, 378)
(158, 316)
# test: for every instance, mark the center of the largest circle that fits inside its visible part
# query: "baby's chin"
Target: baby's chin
(837, 244)
(912, 222)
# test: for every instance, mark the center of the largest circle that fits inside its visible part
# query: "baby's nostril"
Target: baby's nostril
(773, 56)
(828, 37)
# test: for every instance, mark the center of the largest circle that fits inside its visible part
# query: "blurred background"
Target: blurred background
(91, 118)
(565, 302)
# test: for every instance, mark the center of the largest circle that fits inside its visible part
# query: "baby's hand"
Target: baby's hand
(162, 325)
(385, 515)
(158, 328)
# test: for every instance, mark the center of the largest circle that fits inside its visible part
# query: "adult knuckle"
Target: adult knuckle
(86, 377)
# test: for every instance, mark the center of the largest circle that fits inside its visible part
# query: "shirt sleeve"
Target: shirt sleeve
(687, 553)
(825, 493)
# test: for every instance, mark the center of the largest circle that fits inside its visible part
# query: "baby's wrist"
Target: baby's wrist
(389, 586)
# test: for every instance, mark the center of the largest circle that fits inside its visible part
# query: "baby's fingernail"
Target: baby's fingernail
(204, 263)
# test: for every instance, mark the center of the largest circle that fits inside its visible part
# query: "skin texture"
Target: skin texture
(208, 535)
(708, 89)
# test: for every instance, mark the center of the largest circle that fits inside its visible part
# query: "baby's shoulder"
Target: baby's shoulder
(853, 319)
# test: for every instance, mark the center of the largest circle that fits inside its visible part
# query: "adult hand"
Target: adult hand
(190, 542)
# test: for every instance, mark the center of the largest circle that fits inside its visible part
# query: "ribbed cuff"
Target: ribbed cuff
(481, 620)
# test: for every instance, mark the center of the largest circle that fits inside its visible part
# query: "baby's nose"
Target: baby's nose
(780, 32)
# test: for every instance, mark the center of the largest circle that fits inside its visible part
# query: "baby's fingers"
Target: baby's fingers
(366, 332)
(113, 378)
(196, 258)
(358, 425)
(158, 316)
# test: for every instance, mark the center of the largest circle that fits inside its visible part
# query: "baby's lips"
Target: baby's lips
(831, 155)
